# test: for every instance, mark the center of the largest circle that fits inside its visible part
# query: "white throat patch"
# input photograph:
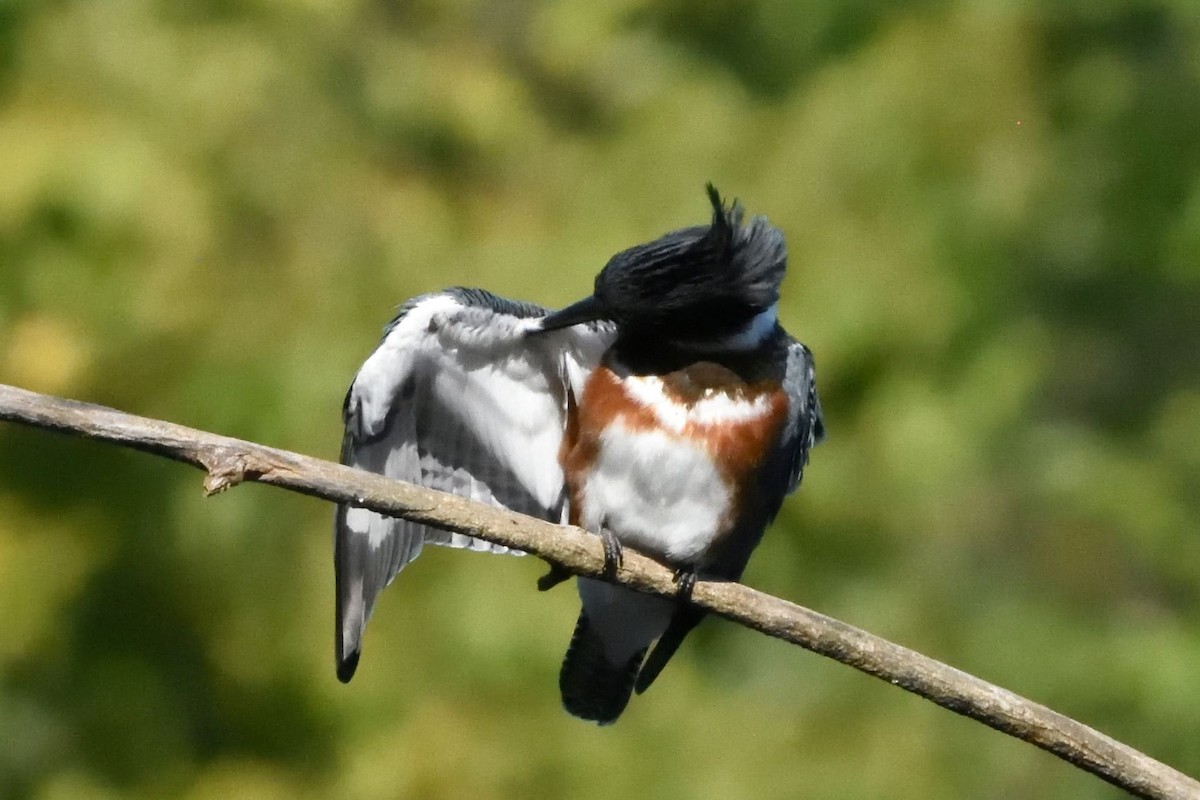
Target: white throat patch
(712, 408)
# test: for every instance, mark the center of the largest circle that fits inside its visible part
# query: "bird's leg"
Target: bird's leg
(554, 577)
(685, 579)
(612, 553)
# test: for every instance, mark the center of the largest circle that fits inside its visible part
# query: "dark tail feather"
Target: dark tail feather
(592, 688)
(682, 623)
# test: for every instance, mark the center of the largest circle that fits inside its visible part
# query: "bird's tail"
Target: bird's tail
(593, 688)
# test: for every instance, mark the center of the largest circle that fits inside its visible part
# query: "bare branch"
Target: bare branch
(228, 461)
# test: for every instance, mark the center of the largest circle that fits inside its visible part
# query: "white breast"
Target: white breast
(658, 492)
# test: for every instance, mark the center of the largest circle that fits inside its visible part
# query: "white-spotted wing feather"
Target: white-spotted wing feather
(457, 397)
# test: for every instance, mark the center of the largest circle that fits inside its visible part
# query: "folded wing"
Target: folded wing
(462, 395)
(805, 426)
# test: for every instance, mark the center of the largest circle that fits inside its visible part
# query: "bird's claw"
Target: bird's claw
(613, 559)
(685, 579)
(613, 556)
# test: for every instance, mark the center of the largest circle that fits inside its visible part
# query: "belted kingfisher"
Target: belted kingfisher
(669, 412)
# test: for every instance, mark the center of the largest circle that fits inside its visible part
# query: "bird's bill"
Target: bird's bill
(586, 310)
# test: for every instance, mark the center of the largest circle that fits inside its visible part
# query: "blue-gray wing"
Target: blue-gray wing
(805, 427)
(456, 397)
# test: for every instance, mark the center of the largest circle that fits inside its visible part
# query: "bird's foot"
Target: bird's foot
(685, 579)
(554, 577)
(613, 557)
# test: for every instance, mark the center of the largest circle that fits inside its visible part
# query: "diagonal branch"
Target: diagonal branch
(229, 461)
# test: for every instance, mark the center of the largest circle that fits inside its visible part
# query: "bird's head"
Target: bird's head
(715, 284)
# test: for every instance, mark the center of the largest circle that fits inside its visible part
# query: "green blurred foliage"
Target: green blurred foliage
(208, 210)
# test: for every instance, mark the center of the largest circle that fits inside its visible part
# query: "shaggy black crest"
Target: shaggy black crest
(706, 280)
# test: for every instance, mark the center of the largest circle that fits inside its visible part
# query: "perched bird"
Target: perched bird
(668, 412)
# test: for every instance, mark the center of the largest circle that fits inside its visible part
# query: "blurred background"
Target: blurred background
(208, 211)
